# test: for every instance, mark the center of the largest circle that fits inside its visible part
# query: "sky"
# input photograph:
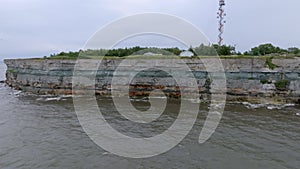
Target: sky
(36, 28)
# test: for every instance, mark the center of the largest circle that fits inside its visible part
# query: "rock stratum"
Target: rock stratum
(248, 79)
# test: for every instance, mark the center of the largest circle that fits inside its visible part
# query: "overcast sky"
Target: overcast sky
(30, 28)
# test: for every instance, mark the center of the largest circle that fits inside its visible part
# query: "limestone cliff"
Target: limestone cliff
(247, 78)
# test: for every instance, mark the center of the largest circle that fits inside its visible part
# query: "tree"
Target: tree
(175, 51)
(293, 50)
(224, 49)
(204, 50)
(213, 50)
(266, 49)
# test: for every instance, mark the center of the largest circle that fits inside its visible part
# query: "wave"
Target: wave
(268, 106)
(278, 107)
(48, 98)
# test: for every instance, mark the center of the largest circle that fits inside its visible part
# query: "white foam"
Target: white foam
(53, 99)
(106, 153)
(278, 107)
(268, 106)
(39, 99)
(17, 92)
(254, 106)
(273, 107)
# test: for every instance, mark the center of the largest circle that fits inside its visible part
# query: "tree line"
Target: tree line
(120, 52)
(261, 50)
(202, 50)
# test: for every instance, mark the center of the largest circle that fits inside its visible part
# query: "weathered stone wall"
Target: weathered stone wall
(247, 79)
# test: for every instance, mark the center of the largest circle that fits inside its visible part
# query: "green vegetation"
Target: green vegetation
(265, 81)
(116, 52)
(270, 64)
(12, 70)
(269, 49)
(64, 54)
(282, 84)
(202, 50)
(294, 50)
(265, 49)
(213, 50)
(225, 51)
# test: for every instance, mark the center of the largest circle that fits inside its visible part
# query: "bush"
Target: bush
(282, 84)
(224, 50)
(265, 81)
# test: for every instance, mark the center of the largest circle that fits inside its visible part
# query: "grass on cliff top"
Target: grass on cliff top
(162, 57)
(174, 56)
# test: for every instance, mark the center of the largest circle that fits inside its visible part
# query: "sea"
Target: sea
(43, 132)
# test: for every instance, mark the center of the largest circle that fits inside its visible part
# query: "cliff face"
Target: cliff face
(247, 79)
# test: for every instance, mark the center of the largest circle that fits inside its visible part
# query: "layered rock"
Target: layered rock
(247, 79)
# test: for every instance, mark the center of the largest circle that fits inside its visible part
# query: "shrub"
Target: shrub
(264, 81)
(282, 84)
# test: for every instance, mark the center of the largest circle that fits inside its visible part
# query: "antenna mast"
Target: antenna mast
(221, 15)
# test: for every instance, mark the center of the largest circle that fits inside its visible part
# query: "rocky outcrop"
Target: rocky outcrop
(247, 79)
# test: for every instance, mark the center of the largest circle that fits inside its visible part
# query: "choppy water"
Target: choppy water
(40, 132)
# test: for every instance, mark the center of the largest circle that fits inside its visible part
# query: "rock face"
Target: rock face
(247, 79)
